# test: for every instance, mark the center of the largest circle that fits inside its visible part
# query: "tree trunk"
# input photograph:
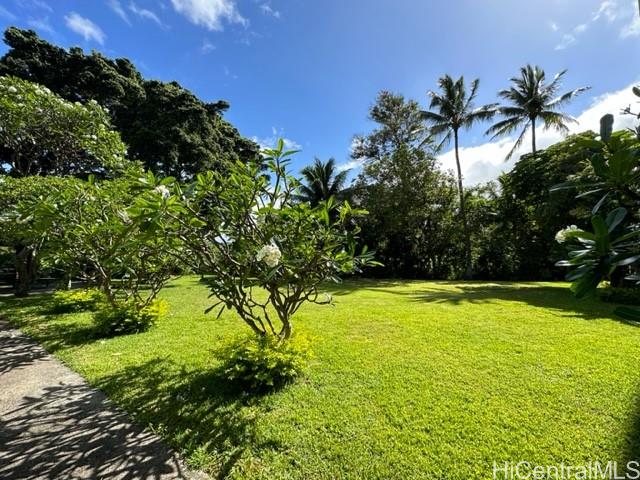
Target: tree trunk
(468, 272)
(25, 269)
(285, 333)
(533, 136)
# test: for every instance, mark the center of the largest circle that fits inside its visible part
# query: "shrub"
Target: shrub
(127, 317)
(262, 362)
(68, 301)
(626, 296)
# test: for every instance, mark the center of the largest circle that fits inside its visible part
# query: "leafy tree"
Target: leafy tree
(89, 232)
(411, 203)
(528, 215)
(43, 134)
(19, 234)
(265, 253)
(453, 109)
(532, 98)
(166, 127)
(322, 180)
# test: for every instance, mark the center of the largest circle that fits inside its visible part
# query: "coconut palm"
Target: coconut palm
(453, 109)
(532, 98)
(322, 180)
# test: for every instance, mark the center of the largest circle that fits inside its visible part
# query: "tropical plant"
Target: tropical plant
(43, 134)
(88, 231)
(453, 109)
(19, 234)
(322, 180)
(411, 202)
(263, 253)
(532, 98)
(613, 241)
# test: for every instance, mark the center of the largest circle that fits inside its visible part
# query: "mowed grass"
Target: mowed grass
(409, 380)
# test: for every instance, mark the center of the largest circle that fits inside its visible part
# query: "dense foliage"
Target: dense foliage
(43, 134)
(412, 222)
(165, 126)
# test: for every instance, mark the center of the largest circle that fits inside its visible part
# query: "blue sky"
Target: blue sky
(309, 70)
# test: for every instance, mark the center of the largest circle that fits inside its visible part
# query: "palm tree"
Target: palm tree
(532, 98)
(455, 110)
(322, 181)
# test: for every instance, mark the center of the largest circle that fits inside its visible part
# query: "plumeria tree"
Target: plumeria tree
(43, 134)
(87, 231)
(263, 253)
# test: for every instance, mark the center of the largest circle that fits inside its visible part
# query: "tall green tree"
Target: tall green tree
(43, 134)
(532, 98)
(411, 202)
(166, 127)
(321, 181)
(453, 109)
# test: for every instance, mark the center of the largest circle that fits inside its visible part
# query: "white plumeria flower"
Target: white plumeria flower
(561, 236)
(270, 255)
(12, 89)
(163, 191)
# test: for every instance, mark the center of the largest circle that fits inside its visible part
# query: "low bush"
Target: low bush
(126, 317)
(262, 362)
(69, 301)
(623, 295)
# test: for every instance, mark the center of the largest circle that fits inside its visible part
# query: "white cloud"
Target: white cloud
(85, 27)
(267, 10)
(553, 26)
(41, 25)
(207, 47)
(608, 9)
(631, 29)
(209, 13)
(146, 14)
(485, 162)
(33, 5)
(272, 141)
(566, 41)
(351, 165)
(117, 8)
(7, 14)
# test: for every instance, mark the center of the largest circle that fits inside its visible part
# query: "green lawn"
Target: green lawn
(409, 380)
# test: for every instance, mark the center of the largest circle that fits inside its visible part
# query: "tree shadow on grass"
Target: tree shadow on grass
(557, 299)
(55, 331)
(632, 450)
(211, 420)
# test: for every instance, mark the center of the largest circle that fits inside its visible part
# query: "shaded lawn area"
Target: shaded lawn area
(409, 380)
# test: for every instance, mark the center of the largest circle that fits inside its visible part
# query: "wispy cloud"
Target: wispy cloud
(631, 29)
(146, 14)
(41, 25)
(209, 13)
(272, 141)
(485, 162)
(566, 41)
(207, 47)
(268, 10)
(4, 13)
(119, 10)
(34, 5)
(611, 12)
(85, 28)
(553, 26)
